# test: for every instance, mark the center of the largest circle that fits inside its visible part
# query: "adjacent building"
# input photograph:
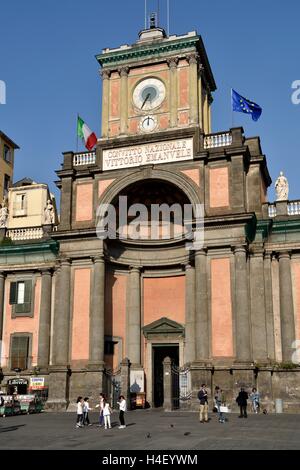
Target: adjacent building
(7, 150)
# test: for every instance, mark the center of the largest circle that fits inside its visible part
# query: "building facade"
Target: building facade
(113, 306)
(7, 150)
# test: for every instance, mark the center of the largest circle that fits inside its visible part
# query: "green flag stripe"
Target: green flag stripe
(80, 123)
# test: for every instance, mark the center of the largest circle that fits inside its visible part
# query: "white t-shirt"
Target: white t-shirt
(106, 410)
(122, 405)
(79, 408)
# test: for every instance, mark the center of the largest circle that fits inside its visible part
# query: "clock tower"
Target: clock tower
(156, 84)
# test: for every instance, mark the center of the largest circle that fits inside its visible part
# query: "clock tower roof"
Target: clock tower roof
(154, 46)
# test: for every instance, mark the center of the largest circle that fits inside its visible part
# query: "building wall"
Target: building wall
(36, 196)
(5, 167)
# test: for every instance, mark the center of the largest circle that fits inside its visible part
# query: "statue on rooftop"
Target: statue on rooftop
(49, 213)
(282, 188)
(3, 214)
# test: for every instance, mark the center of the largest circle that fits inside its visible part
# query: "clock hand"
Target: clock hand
(148, 120)
(146, 99)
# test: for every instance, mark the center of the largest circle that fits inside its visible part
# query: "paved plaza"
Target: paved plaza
(151, 429)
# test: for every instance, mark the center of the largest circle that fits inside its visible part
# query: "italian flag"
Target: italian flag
(83, 131)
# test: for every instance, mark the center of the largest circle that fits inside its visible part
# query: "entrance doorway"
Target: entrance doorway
(159, 353)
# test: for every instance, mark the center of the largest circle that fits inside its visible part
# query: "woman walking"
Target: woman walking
(106, 415)
(79, 422)
(101, 407)
(122, 407)
(255, 399)
(219, 400)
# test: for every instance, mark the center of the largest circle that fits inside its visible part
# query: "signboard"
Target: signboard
(37, 383)
(17, 381)
(137, 381)
(148, 154)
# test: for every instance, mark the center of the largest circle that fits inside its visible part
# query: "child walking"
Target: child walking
(101, 406)
(79, 422)
(122, 407)
(106, 415)
(86, 409)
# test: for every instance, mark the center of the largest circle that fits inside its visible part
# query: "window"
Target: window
(109, 348)
(20, 204)
(20, 296)
(19, 352)
(7, 155)
(6, 184)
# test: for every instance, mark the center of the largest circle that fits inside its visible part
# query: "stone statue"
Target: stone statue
(282, 188)
(3, 215)
(49, 213)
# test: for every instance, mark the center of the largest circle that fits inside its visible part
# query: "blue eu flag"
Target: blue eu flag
(242, 105)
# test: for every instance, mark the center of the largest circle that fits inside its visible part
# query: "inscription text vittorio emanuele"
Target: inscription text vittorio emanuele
(146, 154)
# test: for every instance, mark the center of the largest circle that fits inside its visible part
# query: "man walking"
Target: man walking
(202, 396)
(242, 402)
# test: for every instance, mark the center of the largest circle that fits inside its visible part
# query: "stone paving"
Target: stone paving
(151, 429)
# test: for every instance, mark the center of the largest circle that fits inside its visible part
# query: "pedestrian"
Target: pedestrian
(106, 415)
(242, 402)
(255, 400)
(101, 407)
(202, 396)
(219, 401)
(86, 409)
(122, 407)
(79, 422)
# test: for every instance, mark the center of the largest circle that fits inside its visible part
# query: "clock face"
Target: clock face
(148, 123)
(149, 94)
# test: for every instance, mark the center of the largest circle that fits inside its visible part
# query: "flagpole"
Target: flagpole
(232, 117)
(145, 14)
(168, 18)
(77, 133)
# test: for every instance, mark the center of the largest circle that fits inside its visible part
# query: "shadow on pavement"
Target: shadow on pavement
(11, 428)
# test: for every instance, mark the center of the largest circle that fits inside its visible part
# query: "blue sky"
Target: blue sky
(47, 51)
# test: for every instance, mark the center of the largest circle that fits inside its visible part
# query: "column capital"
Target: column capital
(284, 255)
(192, 58)
(135, 269)
(105, 73)
(202, 252)
(65, 262)
(46, 271)
(98, 259)
(123, 71)
(239, 249)
(172, 62)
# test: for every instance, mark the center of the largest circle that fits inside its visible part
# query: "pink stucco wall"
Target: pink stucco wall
(103, 185)
(84, 202)
(193, 174)
(218, 187)
(81, 314)
(21, 324)
(296, 288)
(221, 310)
(164, 297)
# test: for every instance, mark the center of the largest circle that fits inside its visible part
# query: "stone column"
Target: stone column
(193, 87)
(105, 74)
(167, 371)
(61, 330)
(269, 307)
(200, 100)
(287, 319)
(172, 62)
(134, 316)
(258, 311)
(97, 314)
(2, 286)
(201, 323)
(190, 345)
(242, 307)
(123, 71)
(125, 380)
(45, 320)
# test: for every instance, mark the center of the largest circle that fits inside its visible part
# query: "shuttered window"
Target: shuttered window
(19, 352)
(20, 296)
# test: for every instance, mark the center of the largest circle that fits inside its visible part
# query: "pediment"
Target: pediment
(163, 326)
